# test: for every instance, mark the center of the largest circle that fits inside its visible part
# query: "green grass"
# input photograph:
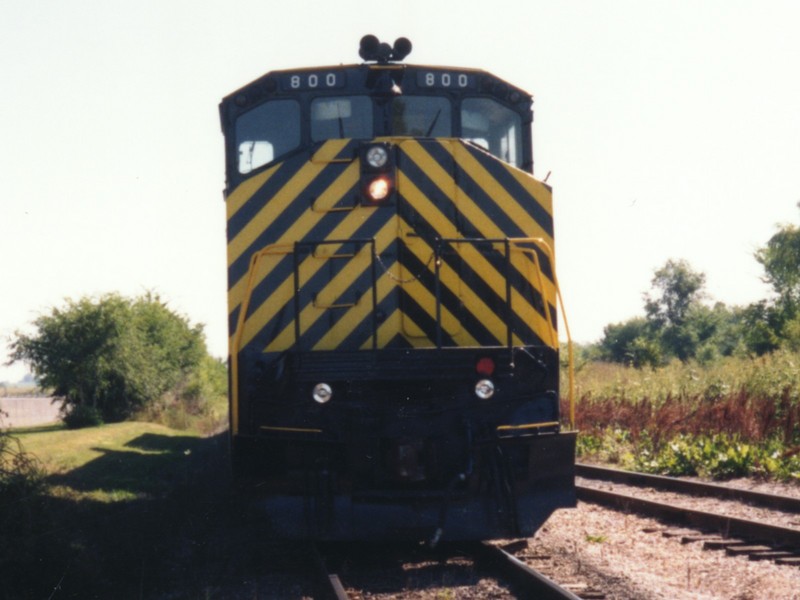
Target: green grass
(112, 463)
(129, 509)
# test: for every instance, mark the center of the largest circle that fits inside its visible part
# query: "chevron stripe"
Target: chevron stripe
(276, 300)
(534, 219)
(343, 281)
(445, 190)
(287, 214)
(308, 223)
(529, 319)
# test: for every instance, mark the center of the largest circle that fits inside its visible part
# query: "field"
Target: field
(131, 509)
(735, 417)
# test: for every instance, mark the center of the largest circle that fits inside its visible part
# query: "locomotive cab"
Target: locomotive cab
(392, 304)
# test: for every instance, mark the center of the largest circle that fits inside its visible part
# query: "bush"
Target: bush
(81, 415)
(114, 354)
(22, 483)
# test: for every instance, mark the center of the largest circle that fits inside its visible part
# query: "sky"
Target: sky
(670, 129)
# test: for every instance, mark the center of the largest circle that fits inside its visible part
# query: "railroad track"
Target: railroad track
(759, 540)
(525, 581)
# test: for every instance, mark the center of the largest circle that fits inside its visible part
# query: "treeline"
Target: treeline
(679, 323)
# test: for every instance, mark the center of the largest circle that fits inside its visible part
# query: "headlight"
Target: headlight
(484, 389)
(322, 393)
(377, 157)
(379, 188)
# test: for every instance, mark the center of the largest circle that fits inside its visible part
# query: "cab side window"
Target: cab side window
(266, 132)
(494, 127)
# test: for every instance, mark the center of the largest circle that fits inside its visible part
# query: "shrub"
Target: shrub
(82, 415)
(114, 354)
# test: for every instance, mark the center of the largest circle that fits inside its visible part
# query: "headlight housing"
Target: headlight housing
(484, 389)
(322, 393)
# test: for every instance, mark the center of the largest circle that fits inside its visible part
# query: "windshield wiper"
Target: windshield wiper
(436, 118)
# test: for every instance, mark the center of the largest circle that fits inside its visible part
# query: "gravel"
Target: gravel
(629, 553)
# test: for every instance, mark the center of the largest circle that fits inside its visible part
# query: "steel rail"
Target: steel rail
(696, 488)
(531, 584)
(329, 586)
(728, 526)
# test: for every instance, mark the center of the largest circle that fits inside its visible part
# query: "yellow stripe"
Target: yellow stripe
(479, 264)
(528, 426)
(297, 184)
(342, 281)
(299, 228)
(246, 190)
(500, 195)
(348, 322)
(290, 429)
(477, 306)
(486, 226)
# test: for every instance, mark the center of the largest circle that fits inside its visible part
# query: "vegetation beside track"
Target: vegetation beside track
(121, 511)
(729, 418)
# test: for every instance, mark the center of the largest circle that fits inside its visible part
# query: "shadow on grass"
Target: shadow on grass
(155, 465)
(181, 527)
(37, 428)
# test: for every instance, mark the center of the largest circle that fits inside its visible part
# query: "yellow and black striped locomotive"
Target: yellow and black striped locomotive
(392, 303)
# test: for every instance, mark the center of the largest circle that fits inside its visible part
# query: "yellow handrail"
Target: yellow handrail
(545, 247)
(237, 338)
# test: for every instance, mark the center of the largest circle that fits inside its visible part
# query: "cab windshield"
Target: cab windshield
(494, 127)
(273, 128)
(422, 116)
(341, 117)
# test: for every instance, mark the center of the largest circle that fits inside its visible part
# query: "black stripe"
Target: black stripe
(492, 297)
(495, 299)
(422, 319)
(361, 332)
(484, 202)
(499, 171)
(280, 222)
(263, 291)
(362, 285)
(449, 300)
(256, 202)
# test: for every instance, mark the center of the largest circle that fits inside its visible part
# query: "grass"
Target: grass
(129, 509)
(114, 462)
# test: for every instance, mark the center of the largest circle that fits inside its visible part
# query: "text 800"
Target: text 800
(310, 81)
(444, 80)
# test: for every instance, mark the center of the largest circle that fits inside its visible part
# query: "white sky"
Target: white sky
(672, 130)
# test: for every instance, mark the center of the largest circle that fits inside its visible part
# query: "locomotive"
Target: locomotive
(394, 354)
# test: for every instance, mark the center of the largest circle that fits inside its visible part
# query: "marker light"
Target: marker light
(485, 366)
(484, 389)
(378, 189)
(377, 156)
(322, 393)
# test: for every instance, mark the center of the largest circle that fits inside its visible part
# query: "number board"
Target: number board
(324, 80)
(446, 80)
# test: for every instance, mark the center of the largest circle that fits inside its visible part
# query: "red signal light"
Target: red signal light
(485, 366)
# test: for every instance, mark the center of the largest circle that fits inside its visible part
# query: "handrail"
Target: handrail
(237, 338)
(545, 247)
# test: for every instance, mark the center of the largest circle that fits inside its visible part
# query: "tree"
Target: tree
(678, 290)
(781, 261)
(112, 354)
(630, 342)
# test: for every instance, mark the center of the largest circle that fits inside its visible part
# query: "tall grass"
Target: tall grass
(644, 414)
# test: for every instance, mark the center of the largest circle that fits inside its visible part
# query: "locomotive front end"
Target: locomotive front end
(392, 305)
